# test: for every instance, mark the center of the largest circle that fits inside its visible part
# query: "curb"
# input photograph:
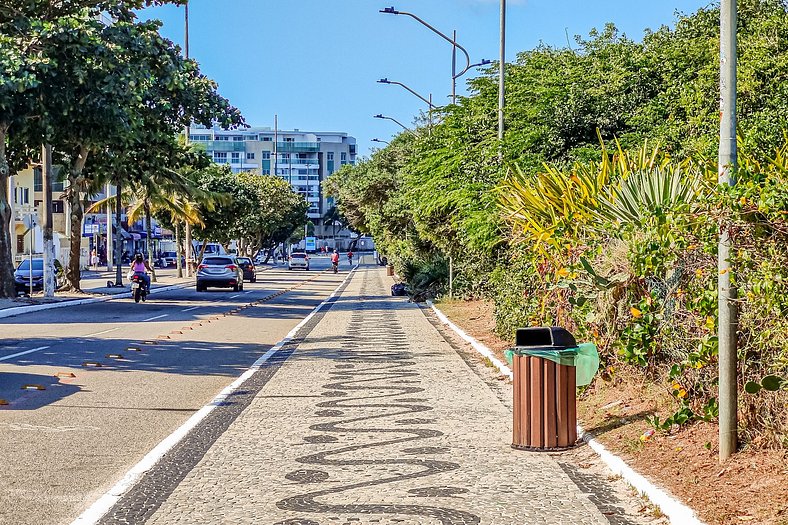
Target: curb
(676, 511)
(21, 310)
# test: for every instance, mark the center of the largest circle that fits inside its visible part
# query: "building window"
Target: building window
(343, 156)
(57, 207)
(236, 158)
(266, 155)
(250, 156)
(238, 138)
(266, 172)
(289, 139)
(266, 139)
(220, 157)
(220, 137)
(330, 155)
(22, 196)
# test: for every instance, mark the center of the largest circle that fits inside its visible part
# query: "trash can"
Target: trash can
(546, 374)
(390, 270)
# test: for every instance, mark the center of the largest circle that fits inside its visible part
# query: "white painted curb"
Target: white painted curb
(676, 511)
(20, 310)
(100, 507)
(479, 347)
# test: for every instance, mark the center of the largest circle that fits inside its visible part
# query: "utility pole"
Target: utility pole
(726, 293)
(109, 232)
(49, 243)
(454, 67)
(188, 232)
(502, 81)
(118, 238)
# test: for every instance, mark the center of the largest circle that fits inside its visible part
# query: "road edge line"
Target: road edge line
(676, 511)
(99, 508)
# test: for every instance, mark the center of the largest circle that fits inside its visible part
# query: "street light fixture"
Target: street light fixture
(382, 141)
(425, 100)
(452, 41)
(403, 126)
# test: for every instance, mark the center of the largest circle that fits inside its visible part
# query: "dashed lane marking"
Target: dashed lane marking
(18, 354)
(192, 308)
(102, 332)
(154, 318)
(234, 296)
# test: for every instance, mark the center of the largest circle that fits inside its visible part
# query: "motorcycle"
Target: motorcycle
(138, 288)
(335, 266)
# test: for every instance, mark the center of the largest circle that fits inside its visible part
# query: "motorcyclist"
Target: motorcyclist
(141, 267)
(335, 258)
(350, 257)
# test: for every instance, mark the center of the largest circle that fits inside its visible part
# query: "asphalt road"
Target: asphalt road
(64, 446)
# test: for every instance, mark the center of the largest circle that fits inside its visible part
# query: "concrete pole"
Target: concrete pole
(49, 242)
(728, 383)
(118, 237)
(12, 225)
(451, 278)
(188, 232)
(501, 80)
(454, 67)
(109, 231)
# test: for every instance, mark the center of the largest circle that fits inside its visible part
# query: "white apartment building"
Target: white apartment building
(302, 158)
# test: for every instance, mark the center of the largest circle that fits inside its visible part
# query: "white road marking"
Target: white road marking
(250, 291)
(99, 508)
(157, 317)
(234, 296)
(190, 309)
(102, 332)
(6, 358)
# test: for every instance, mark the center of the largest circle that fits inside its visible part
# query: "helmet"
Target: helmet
(138, 257)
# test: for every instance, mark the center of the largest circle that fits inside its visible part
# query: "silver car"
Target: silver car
(221, 271)
(298, 260)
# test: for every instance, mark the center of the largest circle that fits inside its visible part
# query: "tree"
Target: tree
(43, 45)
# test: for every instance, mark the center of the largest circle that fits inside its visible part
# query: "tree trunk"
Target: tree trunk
(178, 249)
(202, 251)
(7, 287)
(189, 250)
(149, 242)
(77, 213)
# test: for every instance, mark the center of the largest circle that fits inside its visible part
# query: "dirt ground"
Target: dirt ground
(752, 487)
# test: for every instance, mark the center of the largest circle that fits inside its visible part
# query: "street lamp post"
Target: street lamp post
(427, 101)
(381, 141)
(726, 288)
(453, 41)
(403, 126)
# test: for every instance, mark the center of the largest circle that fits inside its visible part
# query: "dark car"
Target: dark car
(22, 275)
(221, 271)
(168, 259)
(247, 266)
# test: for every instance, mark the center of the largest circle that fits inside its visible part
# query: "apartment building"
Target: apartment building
(302, 158)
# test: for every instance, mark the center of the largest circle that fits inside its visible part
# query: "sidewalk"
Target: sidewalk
(369, 416)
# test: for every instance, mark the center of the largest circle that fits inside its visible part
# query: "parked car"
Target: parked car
(22, 275)
(221, 271)
(248, 269)
(168, 259)
(298, 260)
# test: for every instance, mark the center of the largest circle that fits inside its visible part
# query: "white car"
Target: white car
(298, 260)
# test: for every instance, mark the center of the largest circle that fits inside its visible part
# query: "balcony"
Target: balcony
(300, 147)
(224, 145)
(314, 162)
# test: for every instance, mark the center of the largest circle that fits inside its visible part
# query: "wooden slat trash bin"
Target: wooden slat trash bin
(545, 413)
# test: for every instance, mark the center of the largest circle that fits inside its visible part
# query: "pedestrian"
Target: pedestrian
(94, 260)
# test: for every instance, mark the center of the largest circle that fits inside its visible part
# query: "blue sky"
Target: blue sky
(315, 62)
